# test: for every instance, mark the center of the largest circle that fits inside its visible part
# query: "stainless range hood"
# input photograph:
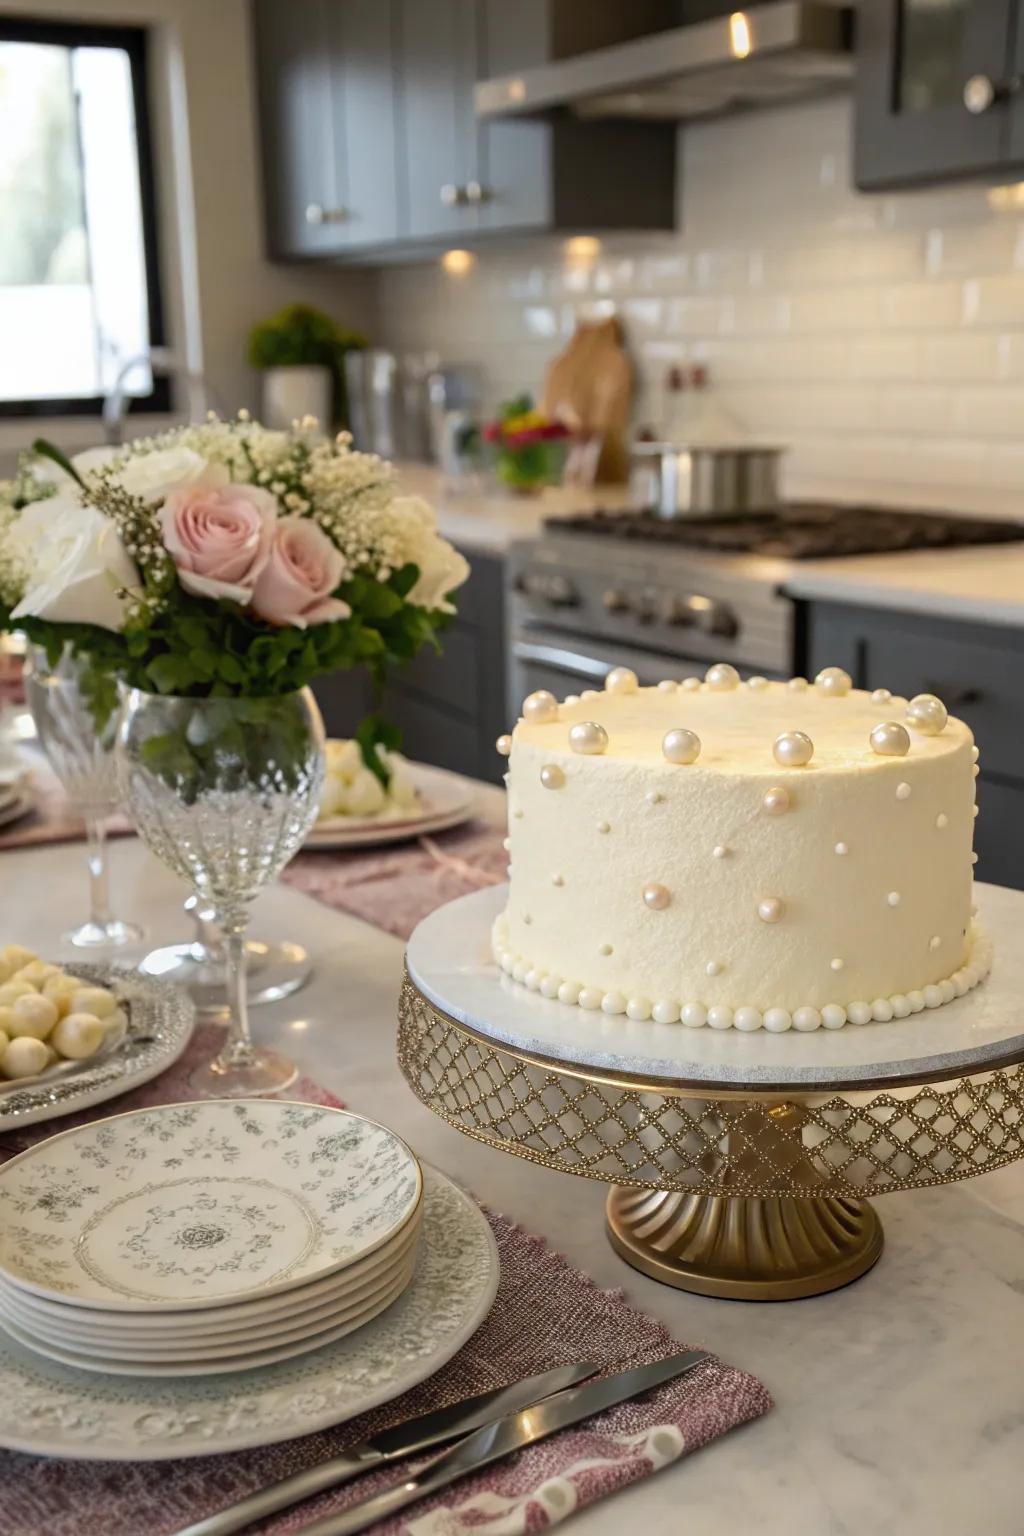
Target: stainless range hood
(771, 53)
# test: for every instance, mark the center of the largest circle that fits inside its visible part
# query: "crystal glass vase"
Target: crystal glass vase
(224, 791)
(78, 739)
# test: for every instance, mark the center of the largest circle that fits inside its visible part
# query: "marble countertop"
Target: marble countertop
(898, 1401)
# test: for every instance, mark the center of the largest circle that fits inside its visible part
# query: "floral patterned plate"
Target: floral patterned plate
(48, 1409)
(162, 1018)
(183, 1206)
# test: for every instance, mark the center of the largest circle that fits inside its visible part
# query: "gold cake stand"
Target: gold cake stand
(735, 1190)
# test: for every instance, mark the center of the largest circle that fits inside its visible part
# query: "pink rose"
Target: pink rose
(303, 570)
(219, 538)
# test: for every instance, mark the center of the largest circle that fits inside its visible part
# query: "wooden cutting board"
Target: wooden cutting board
(589, 386)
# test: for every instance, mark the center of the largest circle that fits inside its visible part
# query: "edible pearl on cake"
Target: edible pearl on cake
(680, 746)
(571, 698)
(757, 683)
(638, 1009)
(506, 843)
(613, 1002)
(557, 879)
(690, 684)
(902, 791)
(778, 1020)
(590, 997)
(569, 992)
(540, 707)
(893, 898)
(667, 685)
(588, 738)
(833, 1016)
(747, 1020)
(719, 851)
(927, 715)
(806, 1020)
(793, 749)
(654, 797)
(605, 949)
(775, 801)
(604, 826)
(798, 685)
(720, 1018)
(550, 986)
(694, 1015)
(975, 809)
(833, 683)
(942, 821)
(657, 897)
(503, 745)
(890, 739)
(842, 849)
(881, 1010)
(771, 909)
(858, 1012)
(714, 968)
(621, 680)
(975, 754)
(934, 941)
(836, 964)
(552, 777)
(881, 696)
(721, 678)
(665, 1011)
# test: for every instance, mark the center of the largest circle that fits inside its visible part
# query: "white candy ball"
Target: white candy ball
(690, 684)
(95, 1000)
(552, 777)
(638, 1009)
(833, 1016)
(613, 1002)
(900, 1006)
(833, 683)
(721, 678)
(667, 685)
(771, 909)
(797, 685)
(681, 746)
(916, 1000)
(890, 739)
(665, 1011)
(747, 1020)
(775, 801)
(694, 1015)
(569, 992)
(591, 997)
(881, 696)
(778, 1020)
(78, 1036)
(657, 897)
(927, 715)
(757, 683)
(720, 1018)
(806, 1020)
(858, 1012)
(932, 996)
(34, 1016)
(550, 986)
(882, 1010)
(24, 1057)
(793, 749)
(541, 707)
(588, 738)
(903, 791)
(621, 680)
(503, 745)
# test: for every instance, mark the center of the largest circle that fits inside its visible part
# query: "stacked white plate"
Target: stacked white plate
(192, 1239)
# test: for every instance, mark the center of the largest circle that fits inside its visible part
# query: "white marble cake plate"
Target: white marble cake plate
(449, 960)
(48, 1409)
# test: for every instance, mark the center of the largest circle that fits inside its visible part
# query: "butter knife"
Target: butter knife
(500, 1439)
(419, 1434)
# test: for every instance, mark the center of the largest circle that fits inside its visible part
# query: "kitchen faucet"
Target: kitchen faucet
(199, 397)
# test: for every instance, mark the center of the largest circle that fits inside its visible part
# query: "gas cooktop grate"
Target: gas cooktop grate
(801, 531)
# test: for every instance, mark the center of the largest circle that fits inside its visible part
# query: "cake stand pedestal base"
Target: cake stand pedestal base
(743, 1248)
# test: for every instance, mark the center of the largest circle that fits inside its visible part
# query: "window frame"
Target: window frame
(135, 41)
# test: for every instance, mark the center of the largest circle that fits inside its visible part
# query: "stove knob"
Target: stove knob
(560, 592)
(645, 609)
(723, 622)
(615, 601)
(677, 611)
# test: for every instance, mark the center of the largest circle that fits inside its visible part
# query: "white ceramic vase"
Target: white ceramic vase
(291, 393)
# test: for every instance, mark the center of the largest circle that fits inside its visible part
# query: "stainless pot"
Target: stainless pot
(671, 481)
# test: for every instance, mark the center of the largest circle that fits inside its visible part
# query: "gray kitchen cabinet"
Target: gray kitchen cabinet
(436, 63)
(451, 707)
(360, 37)
(978, 672)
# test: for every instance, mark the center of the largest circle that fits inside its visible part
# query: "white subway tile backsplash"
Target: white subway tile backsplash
(882, 337)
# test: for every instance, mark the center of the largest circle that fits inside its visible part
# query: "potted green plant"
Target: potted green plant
(301, 351)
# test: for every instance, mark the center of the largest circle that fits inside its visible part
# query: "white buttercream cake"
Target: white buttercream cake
(750, 855)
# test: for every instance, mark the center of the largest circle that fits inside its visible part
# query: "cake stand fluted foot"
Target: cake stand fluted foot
(743, 1248)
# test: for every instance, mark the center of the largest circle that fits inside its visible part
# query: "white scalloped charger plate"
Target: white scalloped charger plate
(48, 1409)
(446, 800)
(161, 1020)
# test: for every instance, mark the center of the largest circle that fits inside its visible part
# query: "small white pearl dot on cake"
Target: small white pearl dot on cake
(569, 992)
(552, 777)
(793, 749)
(833, 683)
(665, 1011)
(927, 715)
(836, 964)
(722, 678)
(604, 826)
(694, 1015)
(621, 680)
(588, 738)
(720, 851)
(833, 1016)
(667, 685)
(714, 968)
(557, 879)
(605, 949)
(506, 843)
(654, 797)
(934, 941)
(893, 898)
(680, 746)
(638, 1009)
(942, 821)
(656, 896)
(571, 698)
(771, 909)
(747, 1020)
(776, 801)
(778, 1020)
(757, 683)
(798, 685)
(690, 684)
(842, 849)
(591, 997)
(613, 1002)
(806, 1019)
(858, 1012)
(881, 696)
(503, 745)
(540, 707)
(890, 739)
(902, 791)
(720, 1018)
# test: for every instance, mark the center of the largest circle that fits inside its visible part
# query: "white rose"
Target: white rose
(75, 564)
(441, 567)
(152, 476)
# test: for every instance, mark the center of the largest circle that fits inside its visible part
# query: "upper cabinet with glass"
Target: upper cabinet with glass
(939, 92)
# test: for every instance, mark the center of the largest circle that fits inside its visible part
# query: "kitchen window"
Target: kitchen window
(79, 282)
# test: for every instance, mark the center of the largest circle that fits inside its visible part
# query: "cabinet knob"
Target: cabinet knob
(453, 196)
(476, 192)
(981, 92)
(316, 213)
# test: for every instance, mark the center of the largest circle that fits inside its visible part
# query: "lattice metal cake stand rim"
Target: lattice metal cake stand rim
(743, 1191)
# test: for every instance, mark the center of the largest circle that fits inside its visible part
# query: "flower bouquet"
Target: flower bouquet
(530, 446)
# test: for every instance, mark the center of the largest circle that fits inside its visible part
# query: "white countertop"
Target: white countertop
(984, 583)
(898, 1401)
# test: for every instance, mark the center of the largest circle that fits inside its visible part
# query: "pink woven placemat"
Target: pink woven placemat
(394, 888)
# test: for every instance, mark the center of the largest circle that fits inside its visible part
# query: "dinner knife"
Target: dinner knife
(419, 1434)
(501, 1438)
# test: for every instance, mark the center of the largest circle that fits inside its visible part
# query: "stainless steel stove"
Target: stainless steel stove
(606, 589)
